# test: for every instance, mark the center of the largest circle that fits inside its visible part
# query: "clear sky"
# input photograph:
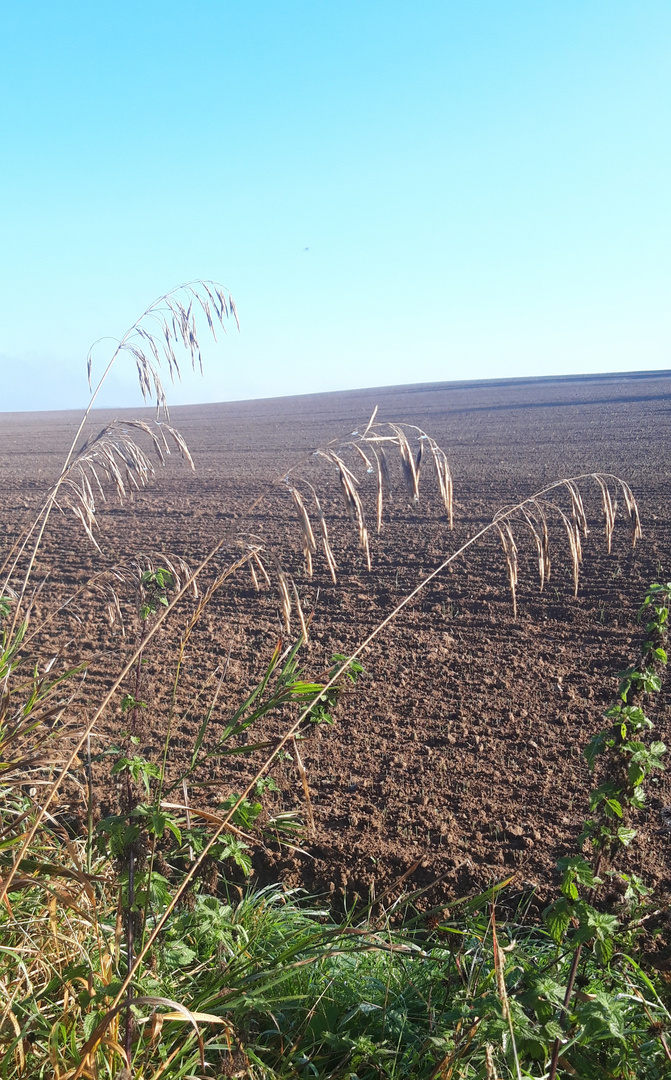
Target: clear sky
(393, 191)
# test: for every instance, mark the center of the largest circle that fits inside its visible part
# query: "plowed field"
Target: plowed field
(460, 751)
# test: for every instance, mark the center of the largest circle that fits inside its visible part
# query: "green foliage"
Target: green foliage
(625, 758)
(321, 712)
(154, 587)
(138, 768)
(282, 990)
(625, 761)
(128, 703)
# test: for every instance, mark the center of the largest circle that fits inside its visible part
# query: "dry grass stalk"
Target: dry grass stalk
(397, 436)
(250, 556)
(252, 571)
(284, 583)
(533, 513)
(261, 567)
(384, 470)
(489, 1062)
(167, 325)
(575, 548)
(299, 611)
(537, 522)
(328, 552)
(444, 477)
(364, 457)
(118, 458)
(510, 552)
(632, 512)
(164, 324)
(609, 510)
(309, 543)
(348, 486)
(304, 781)
(577, 508)
(499, 970)
(379, 494)
(371, 421)
(409, 466)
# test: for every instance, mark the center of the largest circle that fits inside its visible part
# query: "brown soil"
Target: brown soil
(462, 747)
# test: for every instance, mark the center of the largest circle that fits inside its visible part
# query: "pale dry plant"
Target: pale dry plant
(154, 341)
(534, 513)
(115, 456)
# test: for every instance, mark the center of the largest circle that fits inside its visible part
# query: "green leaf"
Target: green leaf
(587, 832)
(625, 835)
(178, 955)
(652, 683)
(604, 948)
(635, 774)
(579, 868)
(595, 747)
(232, 848)
(558, 919)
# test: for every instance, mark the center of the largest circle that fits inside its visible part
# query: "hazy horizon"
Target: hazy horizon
(455, 384)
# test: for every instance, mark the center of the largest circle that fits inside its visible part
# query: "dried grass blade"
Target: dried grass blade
(352, 501)
(608, 510)
(632, 513)
(385, 470)
(408, 466)
(257, 559)
(304, 781)
(574, 547)
(364, 457)
(181, 445)
(299, 612)
(379, 494)
(285, 594)
(577, 508)
(308, 536)
(535, 519)
(330, 558)
(499, 965)
(370, 422)
(444, 478)
(252, 571)
(510, 552)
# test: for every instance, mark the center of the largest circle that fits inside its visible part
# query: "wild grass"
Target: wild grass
(126, 951)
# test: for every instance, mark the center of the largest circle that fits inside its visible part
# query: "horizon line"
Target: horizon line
(452, 384)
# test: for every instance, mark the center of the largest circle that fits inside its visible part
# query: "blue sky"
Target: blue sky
(393, 192)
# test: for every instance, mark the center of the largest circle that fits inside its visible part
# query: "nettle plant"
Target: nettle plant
(628, 759)
(624, 760)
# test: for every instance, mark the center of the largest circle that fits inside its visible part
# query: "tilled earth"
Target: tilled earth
(458, 756)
